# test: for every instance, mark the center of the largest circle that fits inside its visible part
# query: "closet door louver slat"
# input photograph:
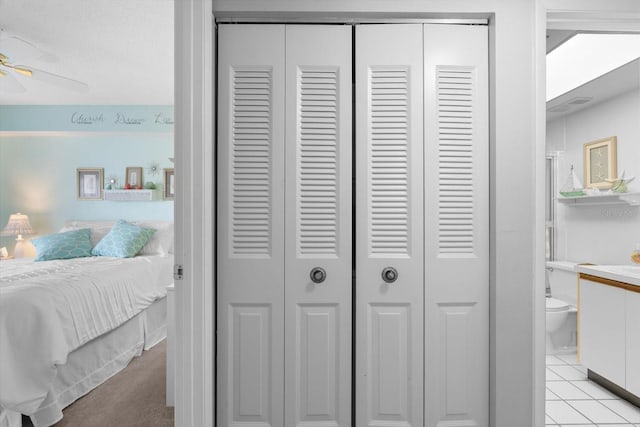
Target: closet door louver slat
(251, 162)
(389, 157)
(318, 170)
(455, 96)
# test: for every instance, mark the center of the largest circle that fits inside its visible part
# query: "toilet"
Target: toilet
(557, 313)
(561, 312)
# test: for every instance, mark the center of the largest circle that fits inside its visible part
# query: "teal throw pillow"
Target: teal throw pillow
(66, 245)
(123, 241)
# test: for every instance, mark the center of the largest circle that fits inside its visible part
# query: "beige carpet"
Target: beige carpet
(133, 397)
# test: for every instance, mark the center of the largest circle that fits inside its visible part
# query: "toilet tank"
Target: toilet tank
(564, 281)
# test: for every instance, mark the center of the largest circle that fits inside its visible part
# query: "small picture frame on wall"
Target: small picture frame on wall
(169, 184)
(600, 163)
(133, 177)
(89, 183)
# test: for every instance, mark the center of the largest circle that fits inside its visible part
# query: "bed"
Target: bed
(67, 325)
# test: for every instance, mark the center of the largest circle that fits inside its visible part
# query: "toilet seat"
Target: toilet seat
(554, 304)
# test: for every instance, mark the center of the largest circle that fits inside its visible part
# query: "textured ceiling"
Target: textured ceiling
(122, 49)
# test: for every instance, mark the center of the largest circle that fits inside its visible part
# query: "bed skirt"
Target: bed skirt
(97, 361)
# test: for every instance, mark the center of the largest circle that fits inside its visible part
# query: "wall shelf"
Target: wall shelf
(628, 199)
(131, 195)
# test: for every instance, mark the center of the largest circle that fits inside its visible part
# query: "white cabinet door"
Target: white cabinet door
(633, 342)
(318, 217)
(602, 330)
(389, 225)
(250, 250)
(456, 225)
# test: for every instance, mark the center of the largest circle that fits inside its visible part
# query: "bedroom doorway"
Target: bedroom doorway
(317, 275)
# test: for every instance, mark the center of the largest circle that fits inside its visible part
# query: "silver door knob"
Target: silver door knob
(389, 274)
(318, 275)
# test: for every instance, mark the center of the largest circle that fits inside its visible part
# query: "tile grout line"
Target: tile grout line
(592, 398)
(610, 409)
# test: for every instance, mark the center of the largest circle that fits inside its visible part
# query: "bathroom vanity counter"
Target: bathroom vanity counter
(626, 274)
(609, 327)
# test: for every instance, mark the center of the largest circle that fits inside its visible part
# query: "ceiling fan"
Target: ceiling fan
(8, 70)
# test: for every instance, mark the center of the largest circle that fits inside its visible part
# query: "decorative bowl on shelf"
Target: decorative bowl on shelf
(619, 185)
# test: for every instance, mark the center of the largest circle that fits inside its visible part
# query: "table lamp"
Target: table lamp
(17, 226)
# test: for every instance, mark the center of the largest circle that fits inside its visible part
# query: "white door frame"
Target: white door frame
(517, 379)
(514, 135)
(601, 15)
(194, 212)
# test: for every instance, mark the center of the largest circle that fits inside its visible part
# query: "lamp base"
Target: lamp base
(18, 251)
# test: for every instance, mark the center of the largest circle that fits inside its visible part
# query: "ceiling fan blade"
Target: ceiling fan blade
(54, 79)
(20, 70)
(9, 84)
(15, 46)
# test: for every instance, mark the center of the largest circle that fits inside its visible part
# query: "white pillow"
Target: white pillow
(161, 242)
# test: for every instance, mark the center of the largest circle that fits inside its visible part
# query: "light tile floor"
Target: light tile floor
(573, 400)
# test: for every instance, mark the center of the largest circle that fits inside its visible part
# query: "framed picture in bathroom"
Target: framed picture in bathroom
(600, 163)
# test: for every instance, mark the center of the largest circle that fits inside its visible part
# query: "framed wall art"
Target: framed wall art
(600, 163)
(133, 177)
(89, 182)
(169, 184)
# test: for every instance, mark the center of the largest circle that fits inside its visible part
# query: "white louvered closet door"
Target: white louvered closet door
(251, 288)
(285, 247)
(318, 231)
(456, 226)
(389, 225)
(285, 259)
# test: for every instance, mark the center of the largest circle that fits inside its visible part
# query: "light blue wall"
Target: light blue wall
(86, 118)
(38, 168)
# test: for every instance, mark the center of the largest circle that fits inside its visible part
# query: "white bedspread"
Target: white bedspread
(48, 309)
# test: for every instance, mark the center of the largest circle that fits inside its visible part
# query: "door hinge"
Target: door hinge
(177, 272)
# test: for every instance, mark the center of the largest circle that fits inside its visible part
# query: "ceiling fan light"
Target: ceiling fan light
(24, 71)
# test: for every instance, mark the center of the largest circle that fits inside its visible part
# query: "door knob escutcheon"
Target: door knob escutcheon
(389, 274)
(318, 275)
